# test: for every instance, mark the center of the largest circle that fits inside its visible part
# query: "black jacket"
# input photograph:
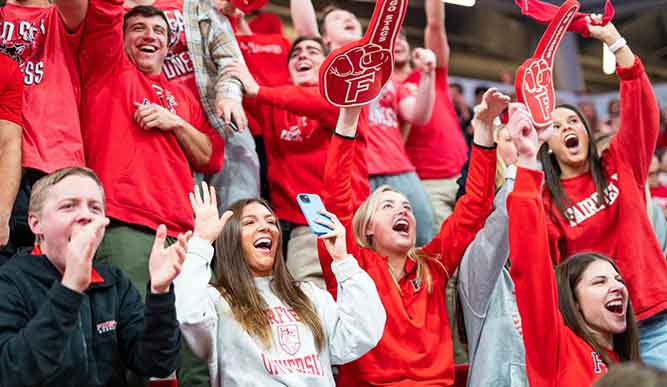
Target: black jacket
(53, 336)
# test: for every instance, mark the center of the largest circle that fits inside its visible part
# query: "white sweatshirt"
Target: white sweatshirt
(353, 325)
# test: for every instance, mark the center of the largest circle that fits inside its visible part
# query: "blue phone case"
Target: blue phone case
(311, 204)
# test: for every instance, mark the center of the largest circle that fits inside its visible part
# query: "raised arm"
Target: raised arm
(417, 110)
(435, 35)
(531, 270)
(72, 12)
(640, 115)
(195, 299)
(486, 256)
(11, 105)
(304, 18)
(472, 209)
(299, 100)
(224, 50)
(102, 41)
(337, 194)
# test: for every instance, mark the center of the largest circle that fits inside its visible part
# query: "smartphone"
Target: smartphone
(311, 205)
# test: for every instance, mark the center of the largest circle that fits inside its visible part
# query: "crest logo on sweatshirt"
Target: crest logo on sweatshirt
(288, 338)
(105, 327)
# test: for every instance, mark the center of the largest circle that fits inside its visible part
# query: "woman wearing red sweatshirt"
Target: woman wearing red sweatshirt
(416, 348)
(595, 325)
(596, 203)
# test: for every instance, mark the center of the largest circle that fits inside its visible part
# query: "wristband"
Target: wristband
(617, 45)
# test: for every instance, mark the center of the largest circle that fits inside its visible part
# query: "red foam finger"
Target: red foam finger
(534, 78)
(355, 74)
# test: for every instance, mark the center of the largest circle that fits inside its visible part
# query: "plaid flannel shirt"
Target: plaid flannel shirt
(212, 46)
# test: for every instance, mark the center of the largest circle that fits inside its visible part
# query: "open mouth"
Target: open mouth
(263, 244)
(615, 306)
(148, 49)
(571, 141)
(350, 28)
(401, 226)
(303, 66)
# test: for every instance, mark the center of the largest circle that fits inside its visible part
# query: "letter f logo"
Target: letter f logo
(358, 85)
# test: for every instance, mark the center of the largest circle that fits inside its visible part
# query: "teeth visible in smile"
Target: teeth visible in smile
(150, 49)
(263, 243)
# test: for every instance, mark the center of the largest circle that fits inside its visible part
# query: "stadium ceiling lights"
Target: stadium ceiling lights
(465, 3)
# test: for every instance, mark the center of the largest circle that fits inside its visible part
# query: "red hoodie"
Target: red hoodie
(623, 230)
(145, 173)
(416, 348)
(297, 124)
(555, 355)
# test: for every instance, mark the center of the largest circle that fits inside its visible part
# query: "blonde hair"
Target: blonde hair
(362, 221)
(41, 188)
(501, 167)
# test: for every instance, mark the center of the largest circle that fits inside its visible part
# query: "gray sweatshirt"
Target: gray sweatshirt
(353, 325)
(493, 324)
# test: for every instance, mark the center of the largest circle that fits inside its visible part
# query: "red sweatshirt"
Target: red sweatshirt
(11, 91)
(297, 124)
(416, 348)
(555, 355)
(623, 230)
(145, 173)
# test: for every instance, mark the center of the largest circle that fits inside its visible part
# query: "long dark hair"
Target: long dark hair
(236, 284)
(552, 170)
(568, 276)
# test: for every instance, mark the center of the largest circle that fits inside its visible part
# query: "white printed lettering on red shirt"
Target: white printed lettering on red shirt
(588, 207)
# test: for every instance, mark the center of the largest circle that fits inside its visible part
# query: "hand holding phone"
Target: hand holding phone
(311, 206)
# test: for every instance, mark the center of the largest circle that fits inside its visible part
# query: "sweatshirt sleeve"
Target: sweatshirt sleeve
(534, 278)
(470, 212)
(301, 101)
(640, 121)
(485, 258)
(195, 306)
(148, 336)
(338, 198)
(102, 42)
(355, 322)
(31, 349)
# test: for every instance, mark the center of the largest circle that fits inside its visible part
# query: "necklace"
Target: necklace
(395, 277)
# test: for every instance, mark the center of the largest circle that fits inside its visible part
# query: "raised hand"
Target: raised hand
(524, 135)
(334, 241)
(154, 116)
(606, 33)
(493, 103)
(205, 206)
(424, 60)
(165, 264)
(80, 252)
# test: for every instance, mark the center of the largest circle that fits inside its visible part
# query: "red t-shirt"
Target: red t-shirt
(386, 152)
(266, 23)
(11, 91)
(297, 127)
(623, 230)
(416, 347)
(37, 39)
(266, 57)
(437, 149)
(145, 173)
(555, 355)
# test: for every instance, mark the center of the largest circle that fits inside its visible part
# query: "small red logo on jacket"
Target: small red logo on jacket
(106, 327)
(288, 335)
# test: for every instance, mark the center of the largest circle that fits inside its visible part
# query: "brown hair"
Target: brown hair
(568, 276)
(363, 218)
(236, 284)
(41, 188)
(552, 170)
